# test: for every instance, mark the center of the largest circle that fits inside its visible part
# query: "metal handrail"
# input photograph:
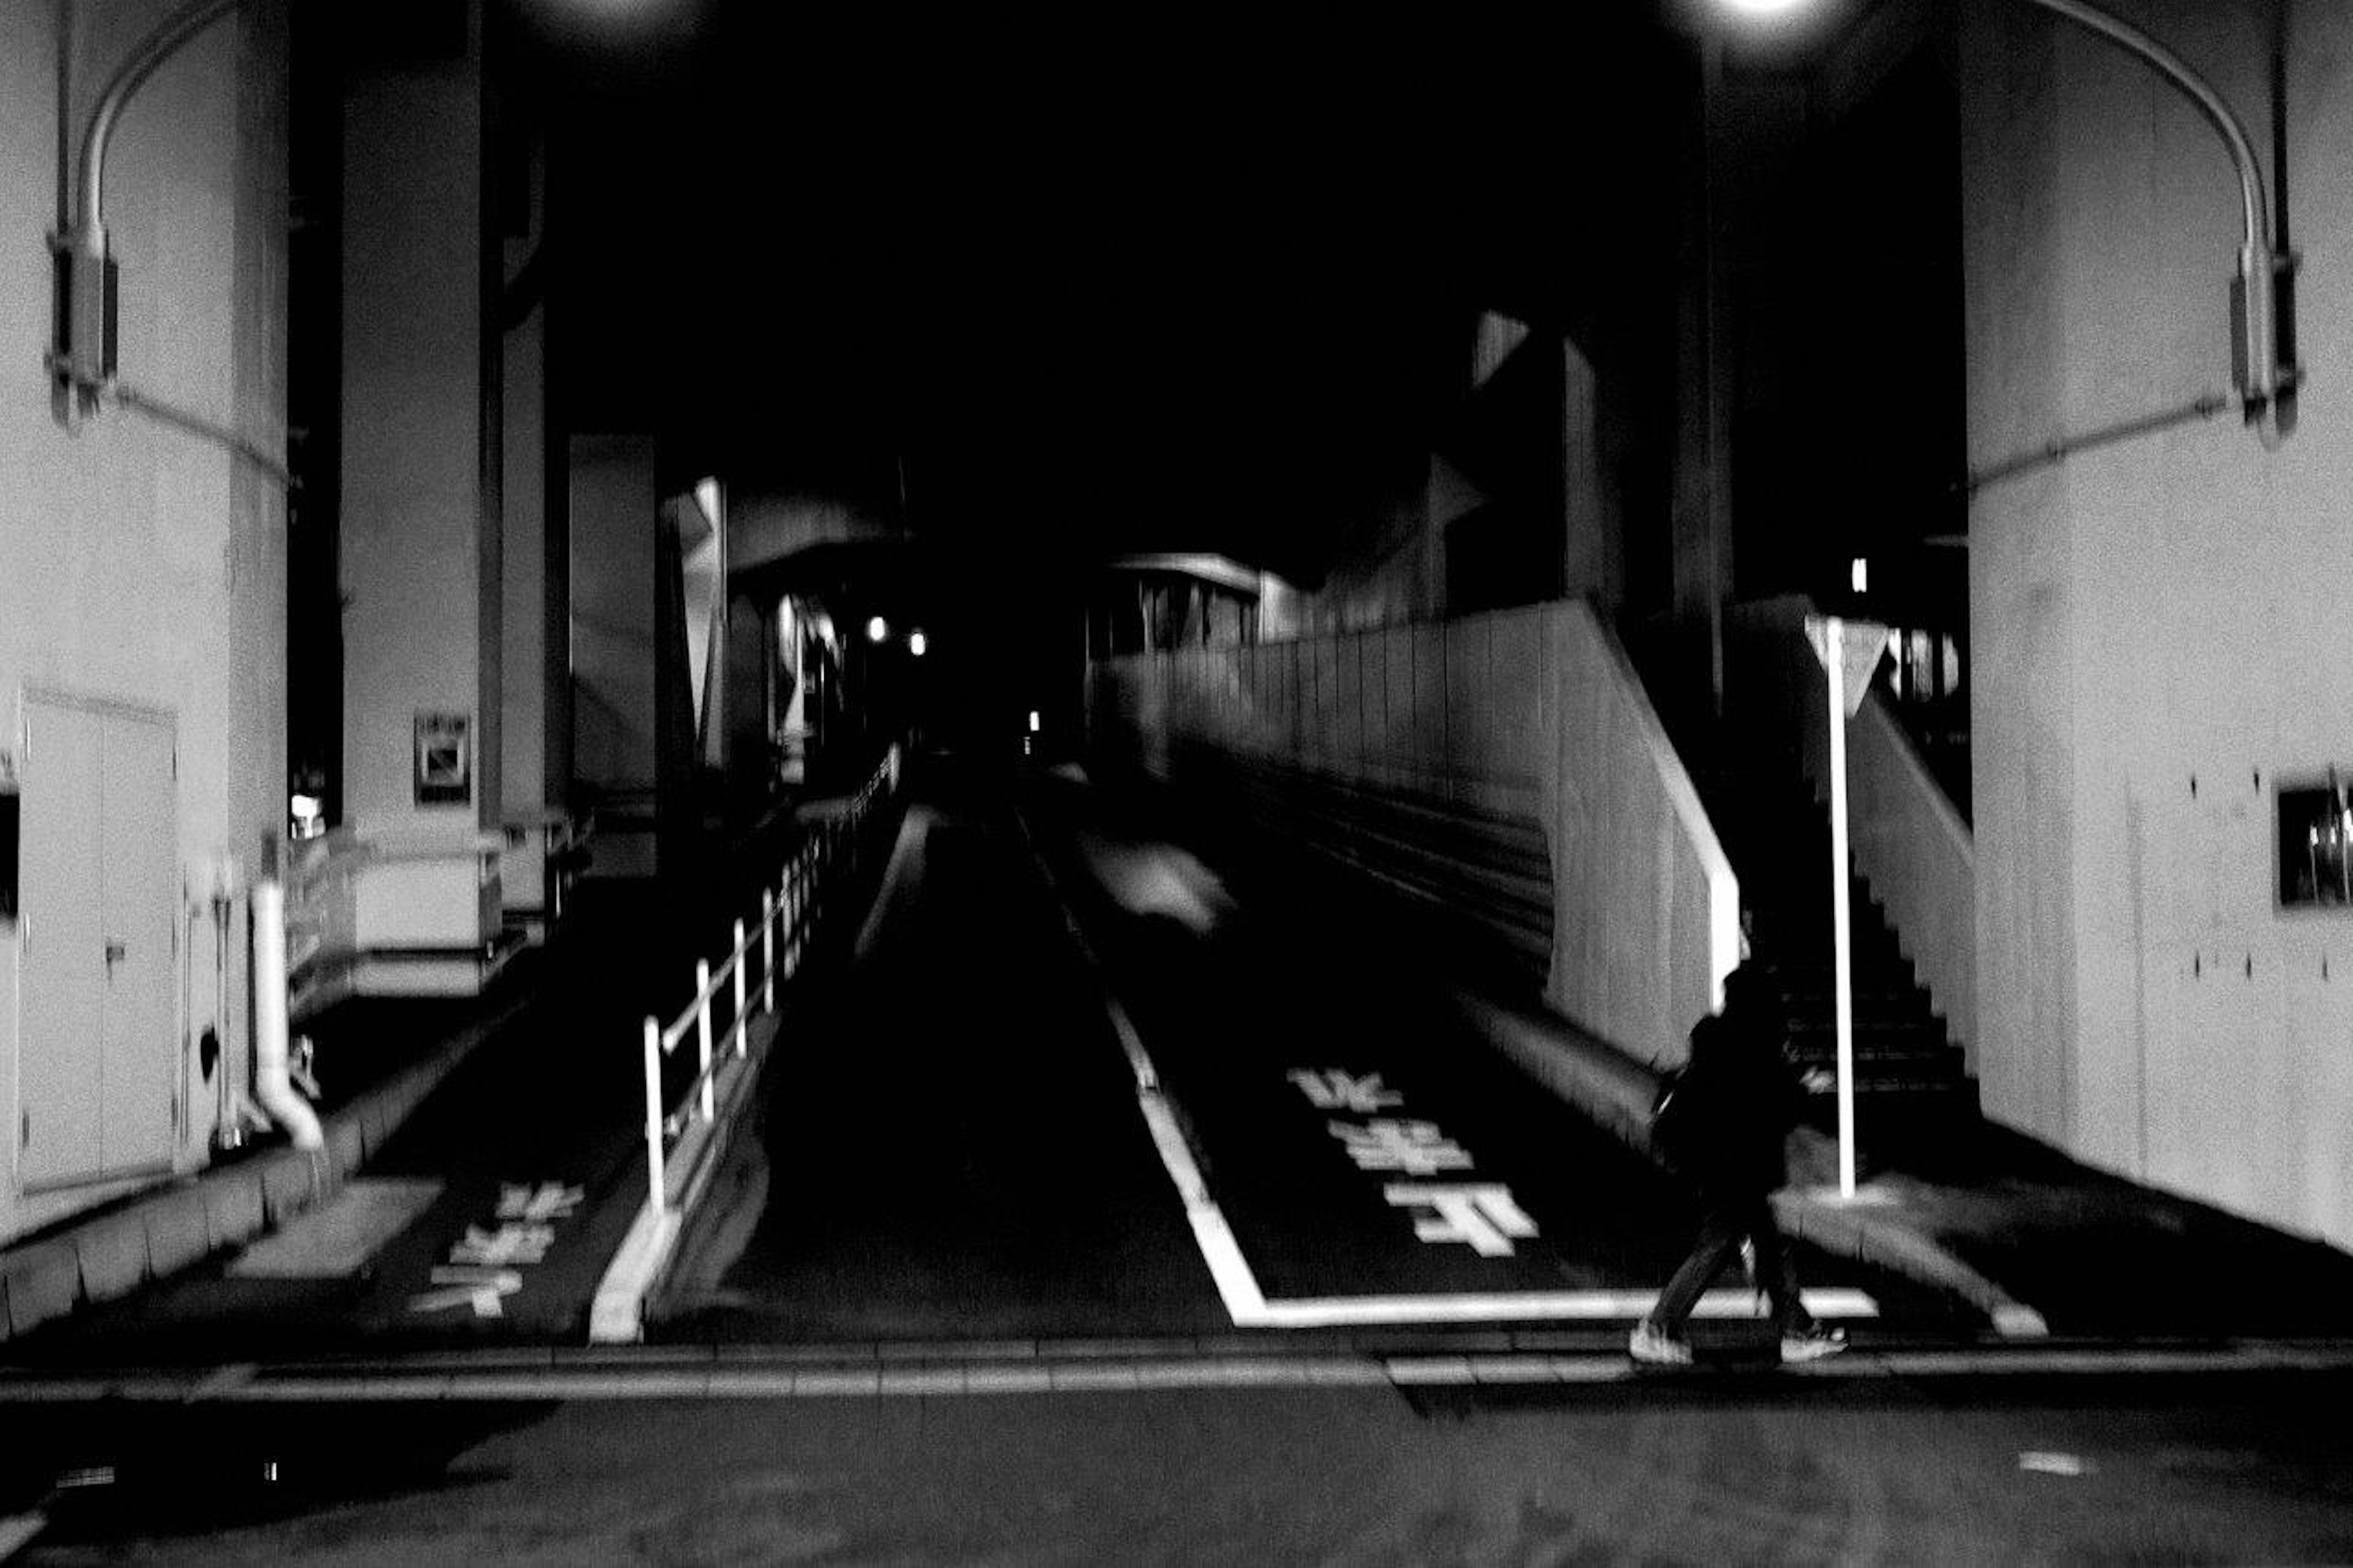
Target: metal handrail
(788, 913)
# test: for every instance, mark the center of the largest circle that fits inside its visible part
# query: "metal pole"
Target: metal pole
(655, 1186)
(1841, 948)
(702, 1034)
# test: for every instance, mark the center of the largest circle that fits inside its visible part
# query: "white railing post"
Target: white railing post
(654, 1179)
(767, 951)
(702, 1033)
(743, 1035)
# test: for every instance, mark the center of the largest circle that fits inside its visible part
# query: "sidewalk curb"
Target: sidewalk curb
(1616, 1093)
(193, 1217)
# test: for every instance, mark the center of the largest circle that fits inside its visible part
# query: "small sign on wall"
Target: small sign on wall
(445, 759)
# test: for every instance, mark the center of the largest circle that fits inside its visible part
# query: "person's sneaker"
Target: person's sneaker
(1654, 1346)
(1812, 1344)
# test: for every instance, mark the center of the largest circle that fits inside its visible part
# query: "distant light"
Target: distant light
(917, 644)
(876, 630)
(1859, 575)
(1762, 7)
(1033, 721)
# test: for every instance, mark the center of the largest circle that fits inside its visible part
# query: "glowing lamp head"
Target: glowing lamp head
(876, 630)
(917, 644)
(1764, 7)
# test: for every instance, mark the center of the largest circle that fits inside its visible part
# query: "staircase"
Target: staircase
(1779, 839)
(1910, 1080)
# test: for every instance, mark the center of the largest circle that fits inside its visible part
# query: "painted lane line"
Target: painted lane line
(1577, 1306)
(1220, 1253)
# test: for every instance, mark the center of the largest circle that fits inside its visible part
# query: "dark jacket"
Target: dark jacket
(1723, 1121)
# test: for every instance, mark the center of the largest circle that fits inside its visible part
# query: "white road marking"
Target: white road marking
(1335, 1088)
(1587, 1306)
(538, 1204)
(1482, 1215)
(1247, 1304)
(481, 1289)
(2037, 1461)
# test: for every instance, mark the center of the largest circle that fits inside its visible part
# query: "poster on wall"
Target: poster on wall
(445, 759)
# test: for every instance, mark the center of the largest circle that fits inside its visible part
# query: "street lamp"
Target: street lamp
(2262, 363)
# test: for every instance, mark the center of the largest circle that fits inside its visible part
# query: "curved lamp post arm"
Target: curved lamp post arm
(83, 348)
(166, 40)
(2259, 370)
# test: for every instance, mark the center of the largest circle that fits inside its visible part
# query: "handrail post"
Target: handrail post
(702, 1034)
(654, 1185)
(767, 951)
(742, 1035)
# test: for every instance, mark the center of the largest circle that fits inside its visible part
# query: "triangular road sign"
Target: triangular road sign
(1862, 644)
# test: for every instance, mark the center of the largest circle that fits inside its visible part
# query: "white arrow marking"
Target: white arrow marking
(547, 1201)
(481, 1289)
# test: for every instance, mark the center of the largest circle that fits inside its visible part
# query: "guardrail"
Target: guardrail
(788, 919)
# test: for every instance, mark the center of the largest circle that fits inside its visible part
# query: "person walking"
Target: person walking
(1723, 1123)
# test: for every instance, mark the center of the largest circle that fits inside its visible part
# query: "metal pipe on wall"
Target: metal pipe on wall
(273, 1083)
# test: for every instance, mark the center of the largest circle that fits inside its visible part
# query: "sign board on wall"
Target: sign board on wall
(445, 759)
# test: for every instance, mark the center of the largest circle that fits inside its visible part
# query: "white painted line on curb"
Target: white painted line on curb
(617, 1316)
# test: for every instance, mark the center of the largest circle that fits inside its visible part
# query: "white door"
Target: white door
(139, 883)
(98, 1044)
(64, 978)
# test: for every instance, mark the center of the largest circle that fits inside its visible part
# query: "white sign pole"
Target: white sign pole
(1841, 950)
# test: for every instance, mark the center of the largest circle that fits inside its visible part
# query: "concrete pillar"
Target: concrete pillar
(615, 509)
(2156, 625)
(1592, 525)
(421, 470)
(531, 660)
(750, 671)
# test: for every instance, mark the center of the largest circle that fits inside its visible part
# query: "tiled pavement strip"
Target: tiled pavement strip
(939, 1370)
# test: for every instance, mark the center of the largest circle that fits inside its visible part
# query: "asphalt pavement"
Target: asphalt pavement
(1781, 1469)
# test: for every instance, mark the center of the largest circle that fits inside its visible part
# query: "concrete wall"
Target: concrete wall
(1532, 712)
(138, 563)
(2157, 624)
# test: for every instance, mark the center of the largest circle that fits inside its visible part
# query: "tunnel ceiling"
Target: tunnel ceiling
(1169, 281)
